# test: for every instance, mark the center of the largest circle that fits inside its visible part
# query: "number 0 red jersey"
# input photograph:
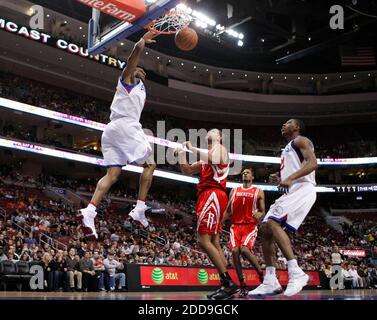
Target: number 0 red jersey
(244, 204)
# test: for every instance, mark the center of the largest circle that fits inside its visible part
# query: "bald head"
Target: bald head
(214, 136)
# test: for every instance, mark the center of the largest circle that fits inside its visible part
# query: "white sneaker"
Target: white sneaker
(138, 215)
(297, 281)
(268, 287)
(86, 217)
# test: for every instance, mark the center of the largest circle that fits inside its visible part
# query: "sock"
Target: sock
(225, 276)
(225, 279)
(92, 206)
(292, 264)
(270, 272)
(140, 204)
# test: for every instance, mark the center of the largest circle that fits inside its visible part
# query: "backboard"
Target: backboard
(104, 31)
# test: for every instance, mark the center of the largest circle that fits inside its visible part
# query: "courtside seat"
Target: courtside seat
(23, 270)
(8, 274)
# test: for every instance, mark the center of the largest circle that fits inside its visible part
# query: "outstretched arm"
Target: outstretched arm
(134, 58)
(217, 155)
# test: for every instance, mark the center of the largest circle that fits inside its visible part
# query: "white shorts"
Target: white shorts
(292, 208)
(124, 142)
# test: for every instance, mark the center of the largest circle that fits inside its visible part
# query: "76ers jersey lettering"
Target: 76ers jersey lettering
(244, 204)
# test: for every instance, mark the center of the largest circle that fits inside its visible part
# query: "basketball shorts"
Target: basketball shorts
(243, 235)
(209, 211)
(124, 142)
(292, 208)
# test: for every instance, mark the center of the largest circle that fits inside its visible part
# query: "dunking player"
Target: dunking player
(213, 168)
(297, 180)
(246, 208)
(124, 141)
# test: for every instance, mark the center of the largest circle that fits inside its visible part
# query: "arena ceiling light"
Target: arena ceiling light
(232, 33)
(201, 24)
(207, 23)
(202, 17)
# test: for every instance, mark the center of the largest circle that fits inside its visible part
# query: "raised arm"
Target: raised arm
(134, 58)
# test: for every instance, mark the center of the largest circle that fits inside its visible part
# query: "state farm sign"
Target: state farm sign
(126, 10)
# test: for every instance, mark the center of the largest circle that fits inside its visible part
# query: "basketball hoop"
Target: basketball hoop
(170, 23)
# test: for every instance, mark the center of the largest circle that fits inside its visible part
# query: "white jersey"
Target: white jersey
(292, 160)
(128, 101)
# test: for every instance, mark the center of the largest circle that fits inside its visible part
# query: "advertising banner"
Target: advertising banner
(194, 278)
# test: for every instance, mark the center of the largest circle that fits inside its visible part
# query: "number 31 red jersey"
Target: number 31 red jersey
(244, 204)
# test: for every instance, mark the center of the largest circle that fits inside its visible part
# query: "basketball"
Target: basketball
(186, 39)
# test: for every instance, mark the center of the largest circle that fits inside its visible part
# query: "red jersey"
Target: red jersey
(213, 176)
(244, 204)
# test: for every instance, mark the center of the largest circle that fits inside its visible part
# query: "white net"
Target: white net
(172, 22)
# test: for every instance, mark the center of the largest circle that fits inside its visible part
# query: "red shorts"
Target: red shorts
(209, 211)
(243, 235)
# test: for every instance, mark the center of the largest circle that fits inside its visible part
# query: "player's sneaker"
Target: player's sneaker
(138, 215)
(269, 286)
(297, 280)
(227, 292)
(86, 218)
(210, 295)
